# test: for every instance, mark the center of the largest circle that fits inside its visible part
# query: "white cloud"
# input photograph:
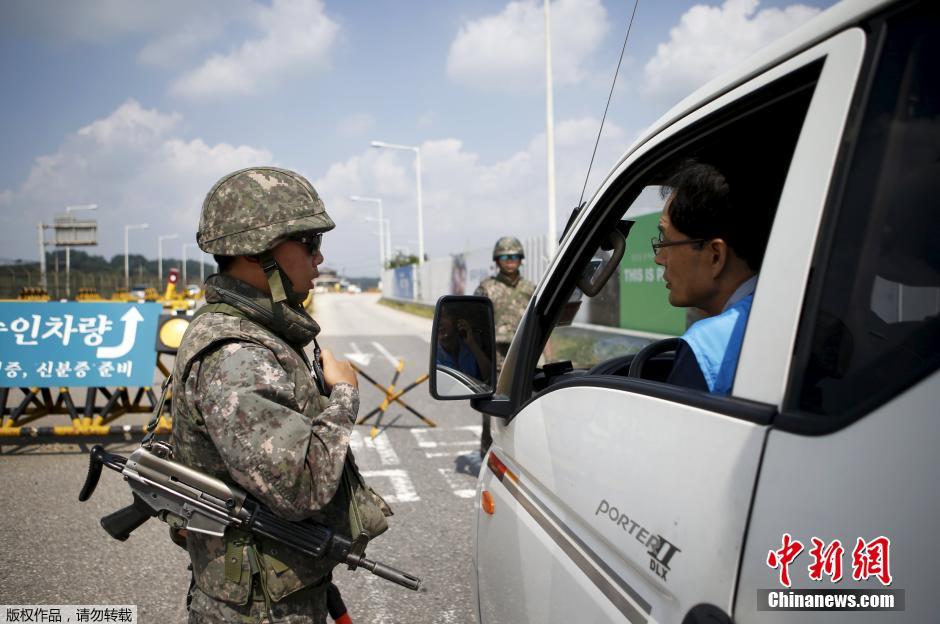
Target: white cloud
(467, 203)
(427, 120)
(710, 40)
(507, 51)
(137, 167)
(176, 47)
(296, 37)
(355, 125)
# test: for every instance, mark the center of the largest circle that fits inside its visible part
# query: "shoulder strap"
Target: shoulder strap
(157, 411)
(224, 308)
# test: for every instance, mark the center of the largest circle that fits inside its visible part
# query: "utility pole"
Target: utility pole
(417, 150)
(42, 256)
(68, 248)
(160, 240)
(128, 228)
(550, 134)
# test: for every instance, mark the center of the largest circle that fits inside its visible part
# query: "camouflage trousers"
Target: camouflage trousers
(307, 606)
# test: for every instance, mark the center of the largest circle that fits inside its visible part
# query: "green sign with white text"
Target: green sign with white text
(644, 300)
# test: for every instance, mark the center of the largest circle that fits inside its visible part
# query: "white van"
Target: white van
(612, 497)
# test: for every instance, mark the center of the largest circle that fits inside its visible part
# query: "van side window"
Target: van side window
(876, 329)
(750, 143)
(602, 327)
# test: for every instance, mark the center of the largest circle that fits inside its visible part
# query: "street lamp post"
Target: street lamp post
(388, 241)
(42, 256)
(376, 200)
(160, 240)
(68, 250)
(382, 225)
(128, 228)
(550, 135)
(417, 151)
(185, 247)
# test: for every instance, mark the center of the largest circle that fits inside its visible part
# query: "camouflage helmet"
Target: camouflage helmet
(508, 245)
(247, 211)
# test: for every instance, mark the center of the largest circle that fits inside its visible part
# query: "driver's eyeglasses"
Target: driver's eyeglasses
(509, 257)
(310, 241)
(658, 242)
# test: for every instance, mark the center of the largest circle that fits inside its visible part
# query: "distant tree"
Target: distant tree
(402, 260)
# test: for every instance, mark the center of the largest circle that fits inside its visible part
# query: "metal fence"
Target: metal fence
(459, 273)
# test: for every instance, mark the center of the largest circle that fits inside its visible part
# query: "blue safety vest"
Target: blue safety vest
(465, 362)
(716, 343)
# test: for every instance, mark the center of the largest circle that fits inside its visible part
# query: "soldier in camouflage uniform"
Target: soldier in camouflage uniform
(247, 410)
(510, 294)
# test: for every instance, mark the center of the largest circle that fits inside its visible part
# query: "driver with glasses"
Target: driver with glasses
(711, 246)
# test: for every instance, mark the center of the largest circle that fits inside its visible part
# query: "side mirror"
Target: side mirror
(463, 349)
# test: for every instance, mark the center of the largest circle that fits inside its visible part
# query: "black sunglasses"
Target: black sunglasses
(509, 257)
(310, 241)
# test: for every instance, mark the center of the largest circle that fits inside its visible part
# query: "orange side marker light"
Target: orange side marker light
(487, 503)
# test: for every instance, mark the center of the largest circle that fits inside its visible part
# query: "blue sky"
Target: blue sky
(140, 106)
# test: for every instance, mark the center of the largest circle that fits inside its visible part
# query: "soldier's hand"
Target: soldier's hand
(337, 371)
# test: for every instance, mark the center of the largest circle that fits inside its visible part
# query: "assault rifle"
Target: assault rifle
(188, 499)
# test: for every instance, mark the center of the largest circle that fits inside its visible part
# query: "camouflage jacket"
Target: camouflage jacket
(246, 410)
(509, 303)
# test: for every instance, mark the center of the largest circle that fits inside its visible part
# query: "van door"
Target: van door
(623, 499)
(851, 464)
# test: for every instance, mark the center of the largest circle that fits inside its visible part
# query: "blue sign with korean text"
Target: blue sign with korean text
(404, 286)
(77, 344)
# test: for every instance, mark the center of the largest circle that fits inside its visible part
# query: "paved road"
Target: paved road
(55, 552)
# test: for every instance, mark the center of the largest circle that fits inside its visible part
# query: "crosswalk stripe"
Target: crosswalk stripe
(456, 486)
(401, 483)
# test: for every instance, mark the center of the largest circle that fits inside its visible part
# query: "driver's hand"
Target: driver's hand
(466, 332)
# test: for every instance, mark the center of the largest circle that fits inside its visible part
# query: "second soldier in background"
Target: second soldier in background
(510, 294)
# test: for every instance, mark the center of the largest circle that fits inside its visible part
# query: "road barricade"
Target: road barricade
(90, 419)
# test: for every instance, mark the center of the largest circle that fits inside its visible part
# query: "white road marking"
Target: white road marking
(401, 483)
(423, 436)
(423, 439)
(383, 447)
(359, 357)
(355, 440)
(380, 444)
(456, 453)
(385, 352)
(456, 486)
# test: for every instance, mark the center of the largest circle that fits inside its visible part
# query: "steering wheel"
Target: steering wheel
(648, 352)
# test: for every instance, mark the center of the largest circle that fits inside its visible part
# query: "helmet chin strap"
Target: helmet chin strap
(282, 289)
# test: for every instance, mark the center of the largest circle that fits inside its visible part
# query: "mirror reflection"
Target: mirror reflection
(463, 348)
